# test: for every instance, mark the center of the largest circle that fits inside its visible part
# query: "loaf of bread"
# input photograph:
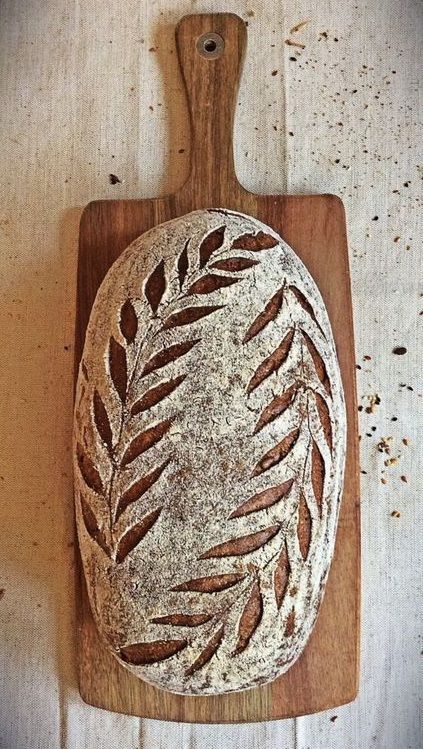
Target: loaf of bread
(209, 446)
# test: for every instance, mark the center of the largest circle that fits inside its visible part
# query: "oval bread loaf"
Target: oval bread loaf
(209, 446)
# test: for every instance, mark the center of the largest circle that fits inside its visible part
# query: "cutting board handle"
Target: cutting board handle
(211, 49)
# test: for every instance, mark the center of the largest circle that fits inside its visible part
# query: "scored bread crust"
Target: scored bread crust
(209, 449)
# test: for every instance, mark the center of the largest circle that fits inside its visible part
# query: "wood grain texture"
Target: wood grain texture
(326, 675)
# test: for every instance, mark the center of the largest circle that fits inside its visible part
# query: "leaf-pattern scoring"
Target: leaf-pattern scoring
(263, 500)
(155, 286)
(277, 453)
(318, 362)
(254, 242)
(168, 355)
(290, 624)
(273, 362)
(183, 620)
(281, 576)
(92, 526)
(210, 282)
(118, 368)
(102, 421)
(317, 474)
(139, 487)
(269, 314)
(304, 526)
(324, 414)
(143, 653)
(240, 546)
(208, 652)
(128, 321)
(211, 583)
(189, 315)
(305, 304)
(135, 534)
(203, 282)
(88, 470)
(156, 394)
(210, 244)
(233, 264)
(250, 618)
(183, 265)
(143, 441)
(276, 407)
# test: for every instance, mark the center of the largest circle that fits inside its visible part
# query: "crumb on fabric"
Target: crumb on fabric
(404, 479)
(291, 43)
(384, 445)
(333, 718)
(395, 514)
(391, 462)
(114, 180)
(399, 350)
(374, 401)
(2, 592)
(299, 26)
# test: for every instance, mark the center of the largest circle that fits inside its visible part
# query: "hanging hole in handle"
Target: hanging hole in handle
(210, 45)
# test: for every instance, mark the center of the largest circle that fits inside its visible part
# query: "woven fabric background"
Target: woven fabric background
(91, 88)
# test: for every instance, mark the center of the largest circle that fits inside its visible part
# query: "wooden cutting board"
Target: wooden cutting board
(211, 50)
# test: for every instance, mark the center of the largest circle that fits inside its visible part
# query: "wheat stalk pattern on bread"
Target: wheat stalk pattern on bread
(114, 498)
